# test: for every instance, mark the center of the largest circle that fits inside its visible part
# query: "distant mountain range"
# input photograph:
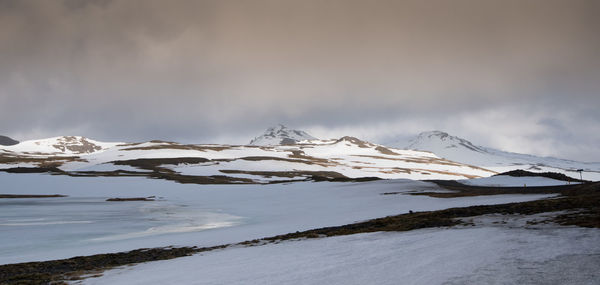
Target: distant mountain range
(460, 150)
(280, 154)
(4, 140)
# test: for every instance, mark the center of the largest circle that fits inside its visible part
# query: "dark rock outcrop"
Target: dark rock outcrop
(4, 140)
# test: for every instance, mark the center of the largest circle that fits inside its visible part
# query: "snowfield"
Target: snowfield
(65, 145)
(431, 155)
(188, 214)
(346, 156)
(487, 255)
(460, 150)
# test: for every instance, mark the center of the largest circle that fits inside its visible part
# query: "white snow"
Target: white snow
(347, 156)
(511, 181)
(488, 255)
(463, 151)
(57, 145)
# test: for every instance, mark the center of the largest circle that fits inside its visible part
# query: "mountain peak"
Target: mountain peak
(281, 135)
(438, 140)
(354, 141)
(434, 133)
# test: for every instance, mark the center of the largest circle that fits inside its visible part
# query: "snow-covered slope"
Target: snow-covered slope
(64, 145)
(460, 150)
(498, 254)
(281, 135)
(300, 158)
(343, 158)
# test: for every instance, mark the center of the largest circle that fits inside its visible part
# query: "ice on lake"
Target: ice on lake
(187, 214)
(41, 224)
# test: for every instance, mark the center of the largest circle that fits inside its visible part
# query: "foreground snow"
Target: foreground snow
(511, 181)
(187, 214)
(488, 255)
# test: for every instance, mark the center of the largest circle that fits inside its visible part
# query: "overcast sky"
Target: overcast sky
(518, 75)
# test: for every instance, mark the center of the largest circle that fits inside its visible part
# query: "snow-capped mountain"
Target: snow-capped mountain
(4, 140)
(442, 143)
(64, 145)
(279, 155)
(344, 158)
(461, 150)
(281, 135)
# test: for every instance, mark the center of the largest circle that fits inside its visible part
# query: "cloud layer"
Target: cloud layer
(517, 75)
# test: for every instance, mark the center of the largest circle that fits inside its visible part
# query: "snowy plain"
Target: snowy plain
(188, 214)
(480, 255)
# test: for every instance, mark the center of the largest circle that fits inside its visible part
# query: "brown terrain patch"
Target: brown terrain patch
(461, 190)
(81, 145)
(299, 154)
(394, 170)
(49, 161)
(298, 159)
(153, 163)
(52, 170)
(268, 174)
(385, 150)
(129, 144)
(469, 176)
(130, 199)
(552, 175)
(355, 141)
(426, 160)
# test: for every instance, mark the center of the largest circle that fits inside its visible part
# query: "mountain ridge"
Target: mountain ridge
(439, 155)
(343, 158)
(461, 150)
(7, 141)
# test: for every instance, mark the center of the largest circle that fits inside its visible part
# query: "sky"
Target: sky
(517, 75)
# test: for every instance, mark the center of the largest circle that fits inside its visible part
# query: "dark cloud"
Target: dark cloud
(208, 71)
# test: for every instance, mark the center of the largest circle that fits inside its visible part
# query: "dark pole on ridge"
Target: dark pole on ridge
(580, 176)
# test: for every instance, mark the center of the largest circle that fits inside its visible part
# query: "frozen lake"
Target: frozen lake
(186, 214)
(30, 225)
